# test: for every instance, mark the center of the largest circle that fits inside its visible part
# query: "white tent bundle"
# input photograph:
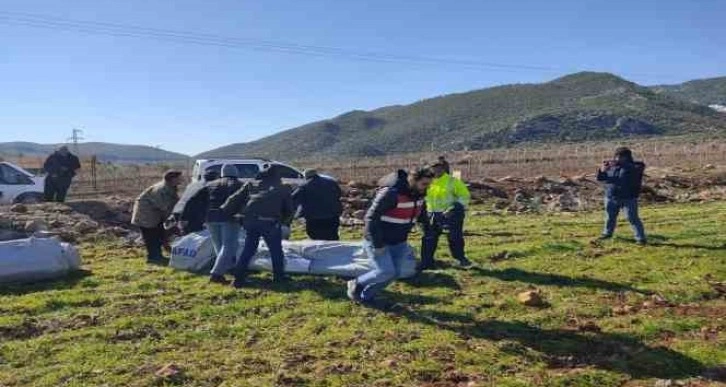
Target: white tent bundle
(194, 252)
(31, 259)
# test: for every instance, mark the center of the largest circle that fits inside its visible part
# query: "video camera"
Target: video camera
(607, 164)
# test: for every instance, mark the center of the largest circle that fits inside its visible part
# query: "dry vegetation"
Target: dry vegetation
(527, 162)
(107, 178)
(675, 156)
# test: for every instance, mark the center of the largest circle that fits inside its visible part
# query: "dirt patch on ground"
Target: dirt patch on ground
(85, 220)
(74, 221)
(32, 327)
(568, 193)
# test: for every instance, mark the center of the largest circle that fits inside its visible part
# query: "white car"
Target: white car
(18, 185)
(247, 169)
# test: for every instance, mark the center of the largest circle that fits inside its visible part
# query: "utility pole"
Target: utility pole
(75, 138)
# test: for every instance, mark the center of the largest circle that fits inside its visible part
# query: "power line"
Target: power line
(121, 30)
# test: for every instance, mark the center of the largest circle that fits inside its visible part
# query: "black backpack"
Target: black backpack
(638, 173)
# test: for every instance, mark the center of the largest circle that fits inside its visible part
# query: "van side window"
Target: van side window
(11, 176)
(247, 171)
(214, 168)
(289, 173)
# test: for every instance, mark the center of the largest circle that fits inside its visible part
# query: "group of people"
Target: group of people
(431, 197)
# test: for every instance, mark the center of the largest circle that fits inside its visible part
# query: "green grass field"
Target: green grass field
(616, 314)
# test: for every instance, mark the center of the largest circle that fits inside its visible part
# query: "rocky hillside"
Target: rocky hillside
(577, 107)
(710, 91)
(118, 153)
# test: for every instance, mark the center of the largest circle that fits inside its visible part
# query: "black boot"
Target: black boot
(218, 279)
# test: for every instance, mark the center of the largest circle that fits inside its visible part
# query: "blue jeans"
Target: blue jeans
(225, 239)
(612, 209)
(271, 232)
(387, 269)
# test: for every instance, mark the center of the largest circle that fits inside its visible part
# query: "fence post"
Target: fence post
(93, 172)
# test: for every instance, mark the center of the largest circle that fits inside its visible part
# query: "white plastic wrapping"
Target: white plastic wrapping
(194, 253)
(32, 259)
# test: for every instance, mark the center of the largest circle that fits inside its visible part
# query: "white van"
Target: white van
(18, 185)
(247, 169)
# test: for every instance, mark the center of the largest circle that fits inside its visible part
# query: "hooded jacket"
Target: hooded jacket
(394, 211)
(622, 181)
(265, 198)
(319, 198)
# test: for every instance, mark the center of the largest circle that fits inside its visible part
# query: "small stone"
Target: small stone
(35, 225)
(19, 208)
(531, 298)
(623, 310)
(85, 226)
(500, 256)
(168, 371)
(663, 383)
(589, 326)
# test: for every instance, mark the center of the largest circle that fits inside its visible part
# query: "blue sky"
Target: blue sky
(191, 97)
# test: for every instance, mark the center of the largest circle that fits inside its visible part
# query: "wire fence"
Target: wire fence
(97, 179)
(550, 161)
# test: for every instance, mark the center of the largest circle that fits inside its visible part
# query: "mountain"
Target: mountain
(711, 91)
(577, 107)
(117, 153)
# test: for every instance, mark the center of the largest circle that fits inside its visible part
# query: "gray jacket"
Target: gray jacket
(263, 199)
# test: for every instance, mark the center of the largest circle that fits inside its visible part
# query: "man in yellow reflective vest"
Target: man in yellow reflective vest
(446, 202)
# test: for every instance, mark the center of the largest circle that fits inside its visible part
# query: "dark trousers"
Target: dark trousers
(271, 232)
(154, 239)
(454, 226)
(612, 209)
(55, 189)
(323, 229)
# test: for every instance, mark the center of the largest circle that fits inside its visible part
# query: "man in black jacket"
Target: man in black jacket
(623, 178)
(393, 213)
(264, 206)
(191, 210)
(319, 202)
(60, 168)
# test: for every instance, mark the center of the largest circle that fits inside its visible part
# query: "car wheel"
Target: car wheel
(29, 199)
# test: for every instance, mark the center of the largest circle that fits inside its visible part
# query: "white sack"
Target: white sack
(32, 259)
(194, 253)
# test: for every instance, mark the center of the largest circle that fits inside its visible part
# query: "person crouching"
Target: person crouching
(151, 209)
(264, 205)
(388, 222)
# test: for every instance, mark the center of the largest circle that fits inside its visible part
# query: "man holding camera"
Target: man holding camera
(623, 179)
